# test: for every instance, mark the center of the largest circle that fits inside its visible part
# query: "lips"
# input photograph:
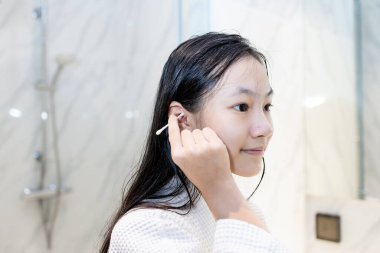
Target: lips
(254, 151)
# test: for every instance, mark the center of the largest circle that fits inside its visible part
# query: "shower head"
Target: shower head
(64, 59)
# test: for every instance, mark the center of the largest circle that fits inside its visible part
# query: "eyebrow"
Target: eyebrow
(242, 90)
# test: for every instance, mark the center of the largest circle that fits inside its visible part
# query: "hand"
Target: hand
(204, 159)
(201, 155)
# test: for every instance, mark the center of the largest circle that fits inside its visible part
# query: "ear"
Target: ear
(175, 108)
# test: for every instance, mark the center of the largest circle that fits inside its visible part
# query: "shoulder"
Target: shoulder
(144, 227)
(146, 219)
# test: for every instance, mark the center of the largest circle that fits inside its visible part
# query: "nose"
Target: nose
(262, 125)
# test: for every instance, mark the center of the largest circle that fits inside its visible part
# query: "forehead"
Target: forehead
(246, 76)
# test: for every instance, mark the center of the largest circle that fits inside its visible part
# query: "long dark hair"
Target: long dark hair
(191, 72)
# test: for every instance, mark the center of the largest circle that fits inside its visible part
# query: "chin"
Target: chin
(248, 171)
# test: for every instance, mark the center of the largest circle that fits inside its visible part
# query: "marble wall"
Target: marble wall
(119, 48)
(330, 99)
(331, 125)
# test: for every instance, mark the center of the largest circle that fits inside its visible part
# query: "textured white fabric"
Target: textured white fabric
(156, 230)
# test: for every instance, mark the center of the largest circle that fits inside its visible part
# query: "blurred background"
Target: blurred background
(77, 86)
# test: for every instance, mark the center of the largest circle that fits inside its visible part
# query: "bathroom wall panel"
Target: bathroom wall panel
(103, 108)
(330, 100)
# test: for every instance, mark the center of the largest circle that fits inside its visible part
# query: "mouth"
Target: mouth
(254, 151)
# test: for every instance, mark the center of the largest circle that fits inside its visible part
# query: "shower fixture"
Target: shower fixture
(47, 195)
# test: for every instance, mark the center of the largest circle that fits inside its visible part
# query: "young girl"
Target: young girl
(215, 96)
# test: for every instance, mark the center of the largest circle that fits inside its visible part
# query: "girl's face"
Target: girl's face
(239, 112)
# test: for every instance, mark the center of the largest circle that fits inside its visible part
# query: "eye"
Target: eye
(267, 107)
(241, 107)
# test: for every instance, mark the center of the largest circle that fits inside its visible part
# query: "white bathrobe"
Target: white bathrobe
(156, 230)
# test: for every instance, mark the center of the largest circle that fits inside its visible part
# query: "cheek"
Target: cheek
(234, 141)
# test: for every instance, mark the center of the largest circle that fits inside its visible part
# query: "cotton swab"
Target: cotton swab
(159, 131)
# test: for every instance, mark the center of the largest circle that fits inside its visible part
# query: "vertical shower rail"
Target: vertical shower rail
(48, 196)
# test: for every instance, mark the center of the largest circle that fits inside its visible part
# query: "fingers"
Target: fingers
(199, 138)
(211, 136)
(174, 133)
(186, 138)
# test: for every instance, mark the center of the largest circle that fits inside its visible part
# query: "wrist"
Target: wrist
(224, 199)
(227, 202)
